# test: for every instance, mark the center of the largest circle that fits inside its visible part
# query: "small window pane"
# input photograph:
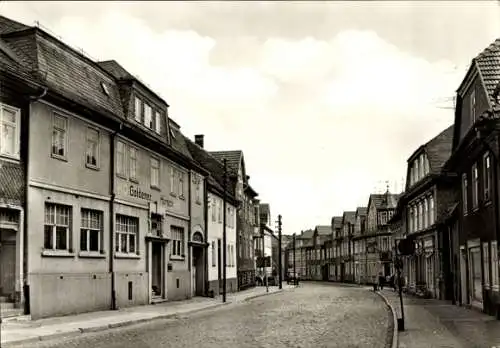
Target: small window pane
(94, 240)
(47, 237)
(61, 242)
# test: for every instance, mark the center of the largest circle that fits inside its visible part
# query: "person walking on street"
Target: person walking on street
(381, 281)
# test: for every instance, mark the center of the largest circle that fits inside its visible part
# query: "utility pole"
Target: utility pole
(224, 241)
(280, 265)
(294, 257)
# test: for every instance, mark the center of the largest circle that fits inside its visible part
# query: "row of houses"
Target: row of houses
(102, 194)
(448, 213)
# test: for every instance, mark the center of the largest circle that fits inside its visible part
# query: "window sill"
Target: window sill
(91, 166)
(134, 180)
(156, 188)
(91, 254)
(127, 256)
(57, 253)
(177, 258)
(121, 176)
(59, 157)
(10, 157)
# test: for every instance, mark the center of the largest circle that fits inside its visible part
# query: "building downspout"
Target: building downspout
(25, 140)
(205, 219)
(112, 216)
(190, 248)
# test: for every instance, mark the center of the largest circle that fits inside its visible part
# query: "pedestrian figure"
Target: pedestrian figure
(381, 281)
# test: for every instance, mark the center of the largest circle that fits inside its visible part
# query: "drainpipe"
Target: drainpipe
(190, 248)
(205, 219)
(112, 216)
(25, 147)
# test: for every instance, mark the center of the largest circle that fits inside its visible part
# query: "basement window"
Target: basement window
(105, 88)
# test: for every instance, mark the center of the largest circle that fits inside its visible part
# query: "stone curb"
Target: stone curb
(80, 331)
(395, 336)
(261, 295)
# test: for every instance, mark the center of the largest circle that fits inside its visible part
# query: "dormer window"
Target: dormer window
(157, 122)
(172, 133)
(138, 109)
(416, 171)
(422, 171)
(473, 106)
(104, 88)
(148, 116)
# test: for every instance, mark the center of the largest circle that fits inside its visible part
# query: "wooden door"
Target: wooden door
(7, 268)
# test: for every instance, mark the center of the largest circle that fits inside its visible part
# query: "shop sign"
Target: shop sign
(137, 193)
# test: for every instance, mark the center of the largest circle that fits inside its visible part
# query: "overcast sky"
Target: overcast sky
(326, 99)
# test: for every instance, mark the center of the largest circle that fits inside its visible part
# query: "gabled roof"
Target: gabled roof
(323, 230)
(349, 217)
(212, 165)
(438, 150)
(63, 69)
(232, 157)
(307, 234)
(361, 211)
(488, 62)
(337, 222)
(385, 200)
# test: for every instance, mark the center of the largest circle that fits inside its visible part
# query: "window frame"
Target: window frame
(138, 109)
(56, 115)
(121, 171)
(147, 116)
(475, 186)
(17, 131)
(54, 225)
(97, 147)
(88, 228)
(472, 106)
(127, 221)
(153, 160)
(465, 188)
(172, 180)
(487, 177)
(157, 121)
(177, 249)
(132, 159)
(180, 184)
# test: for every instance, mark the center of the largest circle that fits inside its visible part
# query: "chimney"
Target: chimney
(198, 139)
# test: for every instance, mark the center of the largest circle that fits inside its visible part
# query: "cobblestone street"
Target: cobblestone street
(313, 315)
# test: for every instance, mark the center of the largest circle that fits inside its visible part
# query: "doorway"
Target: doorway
(157, 269)
(198, 271)
(476, 288)
(7, 264)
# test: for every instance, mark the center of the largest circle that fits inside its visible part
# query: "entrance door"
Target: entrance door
(157, 270)
(7, 268)
(476, 289)
(197, 271)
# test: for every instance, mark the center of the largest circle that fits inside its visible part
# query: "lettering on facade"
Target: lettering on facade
(166, 202)
(137, 193)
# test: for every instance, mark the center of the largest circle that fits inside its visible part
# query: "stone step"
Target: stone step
(12, 312)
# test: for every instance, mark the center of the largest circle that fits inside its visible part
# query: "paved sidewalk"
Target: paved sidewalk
(435, 323)
(16, 332)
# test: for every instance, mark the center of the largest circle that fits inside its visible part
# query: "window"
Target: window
(213, 255)
(411, 219)
(120, 159)
(9, 130)
(155, 172)
(219, 212)
(133, 162)
(157, 122)
(92, 153)
(431, 210)
(138, 109)
(59, 136)
(156, 225)
(473, 106)
(464, 193)
(127, 228)
(177, 243)
(198, 191)
(90, 230)
(475, 186)
(214, 207)
(426, 213)
(426, 164)
(486, 264)
(494, 263)
(422, 171)
(181, 184)
(148, 114)
(417, 171)
(57, 227)
(487, 177)
(172, 181)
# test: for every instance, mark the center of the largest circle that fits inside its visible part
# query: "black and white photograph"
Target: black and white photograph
(250, 174)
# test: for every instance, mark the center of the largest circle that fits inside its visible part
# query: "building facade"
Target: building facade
(359, 243)
(335, 268)
(217, 192)
(475, 160)
(346, 250)
(247, 218)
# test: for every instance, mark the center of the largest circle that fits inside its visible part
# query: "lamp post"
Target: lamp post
(224, 241)
(280, 265)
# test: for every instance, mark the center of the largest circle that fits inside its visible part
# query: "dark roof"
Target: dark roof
(11, 182)
(439, 150)
(63, 69)
(232, 157)
(337, 222)
(349, 217)
(324, 230)
(8, 26)
(307, 234)
(488, 62)
(384, 200)
(361, 211)
(211, 164)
